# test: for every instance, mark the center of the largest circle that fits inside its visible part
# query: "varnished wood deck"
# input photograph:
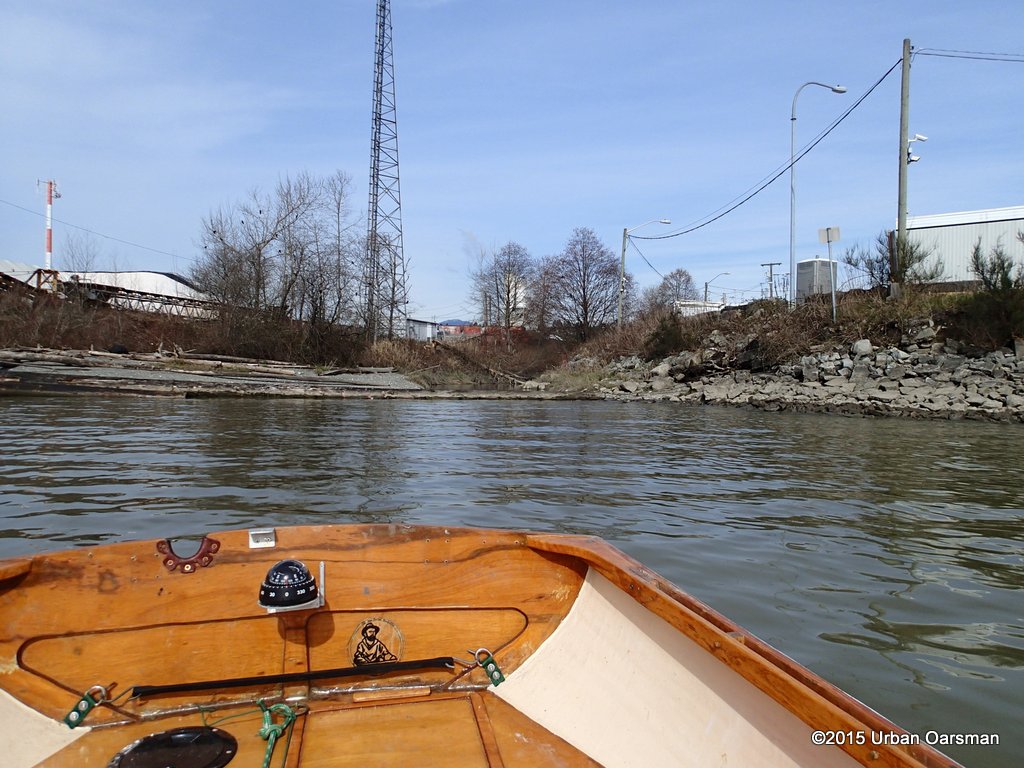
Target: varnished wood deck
(470, 730)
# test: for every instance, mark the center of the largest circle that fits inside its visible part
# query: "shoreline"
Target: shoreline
(910, 381)
(914, 380)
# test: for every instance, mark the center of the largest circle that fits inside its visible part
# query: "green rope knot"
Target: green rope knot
(272, 731)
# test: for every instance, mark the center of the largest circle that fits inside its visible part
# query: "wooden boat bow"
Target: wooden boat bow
(601, 660)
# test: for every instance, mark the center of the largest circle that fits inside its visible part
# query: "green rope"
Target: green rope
(269, 731)
(272, 731)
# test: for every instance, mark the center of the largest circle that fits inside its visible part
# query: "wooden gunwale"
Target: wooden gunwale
(12, 569)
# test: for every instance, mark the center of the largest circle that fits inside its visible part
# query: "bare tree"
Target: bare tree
(677, 285)
(587, 284)
(541, 294)
(273, 259)
(501, 283)
(223, 269)
(81, 253)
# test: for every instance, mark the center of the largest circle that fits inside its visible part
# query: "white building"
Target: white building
(693, 307)
(952, 236)
(159, 283)
(17, 270)
(142, 291)
(420, 330)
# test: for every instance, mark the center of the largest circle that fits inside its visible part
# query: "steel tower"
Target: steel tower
(386, 294)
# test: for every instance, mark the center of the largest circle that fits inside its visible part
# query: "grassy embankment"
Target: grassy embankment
(768, 331)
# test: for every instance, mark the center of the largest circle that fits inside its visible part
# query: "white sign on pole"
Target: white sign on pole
(828, 235)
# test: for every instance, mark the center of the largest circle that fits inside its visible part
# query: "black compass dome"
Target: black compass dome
(288, 583)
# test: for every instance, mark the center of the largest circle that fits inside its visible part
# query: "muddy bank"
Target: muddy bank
(46, 371)
(33, 370)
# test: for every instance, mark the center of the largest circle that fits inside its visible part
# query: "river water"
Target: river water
(886, 555)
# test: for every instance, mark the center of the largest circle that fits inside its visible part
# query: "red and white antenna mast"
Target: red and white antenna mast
(51, 193)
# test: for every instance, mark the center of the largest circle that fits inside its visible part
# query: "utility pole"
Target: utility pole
(896, 252)
(771, 277)
(622, 273)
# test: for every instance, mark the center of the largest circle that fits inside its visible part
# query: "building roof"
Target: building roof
(1013, 213)
(17, 269)
(162, 283)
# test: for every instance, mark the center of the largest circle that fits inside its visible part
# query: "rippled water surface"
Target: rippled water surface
(886, 555)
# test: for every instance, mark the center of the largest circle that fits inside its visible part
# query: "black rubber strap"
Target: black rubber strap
(371, 670)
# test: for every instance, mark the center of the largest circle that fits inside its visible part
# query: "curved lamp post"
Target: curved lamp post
(709, 282)
(792, 184)
(622, 268)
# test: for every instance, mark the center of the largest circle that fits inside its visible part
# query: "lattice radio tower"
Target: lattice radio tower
(386, 293)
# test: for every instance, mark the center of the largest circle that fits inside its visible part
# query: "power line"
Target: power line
(775, 175)
(100, 234)
(1012, 58)
(645, 258)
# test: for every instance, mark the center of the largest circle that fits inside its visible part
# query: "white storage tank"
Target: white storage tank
(814, 277)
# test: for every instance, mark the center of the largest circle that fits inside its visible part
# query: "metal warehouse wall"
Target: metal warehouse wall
(952, 237)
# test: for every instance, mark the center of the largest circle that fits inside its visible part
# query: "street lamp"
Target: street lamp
(792, 184)
(622, 268)
(709, 282)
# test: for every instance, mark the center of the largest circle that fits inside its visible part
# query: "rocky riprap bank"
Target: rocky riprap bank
(922, 377)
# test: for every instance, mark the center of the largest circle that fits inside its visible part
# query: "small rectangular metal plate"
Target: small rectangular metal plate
(262, 538)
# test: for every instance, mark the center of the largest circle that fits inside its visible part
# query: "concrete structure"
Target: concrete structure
(952, 237)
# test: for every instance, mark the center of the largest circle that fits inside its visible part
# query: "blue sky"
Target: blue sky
(517, 121)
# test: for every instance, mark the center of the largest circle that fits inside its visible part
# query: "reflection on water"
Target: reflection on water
(887, 555)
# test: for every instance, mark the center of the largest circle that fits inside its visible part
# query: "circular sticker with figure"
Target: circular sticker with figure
(375, 641)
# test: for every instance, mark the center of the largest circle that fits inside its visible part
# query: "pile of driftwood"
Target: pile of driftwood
(184, 373)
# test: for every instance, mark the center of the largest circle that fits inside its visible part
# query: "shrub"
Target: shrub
(994, 316)
(881, 267)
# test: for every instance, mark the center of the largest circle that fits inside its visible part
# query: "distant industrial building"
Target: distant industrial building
(142, 291)
(951, 237)
(694, 307)
(459, 332)
(17, 270)
(157, 283)
(420, 330)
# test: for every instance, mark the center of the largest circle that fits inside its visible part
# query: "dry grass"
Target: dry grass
(775, 333)
(771, 333)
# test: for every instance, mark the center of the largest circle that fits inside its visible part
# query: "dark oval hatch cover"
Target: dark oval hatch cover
(192, 747)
